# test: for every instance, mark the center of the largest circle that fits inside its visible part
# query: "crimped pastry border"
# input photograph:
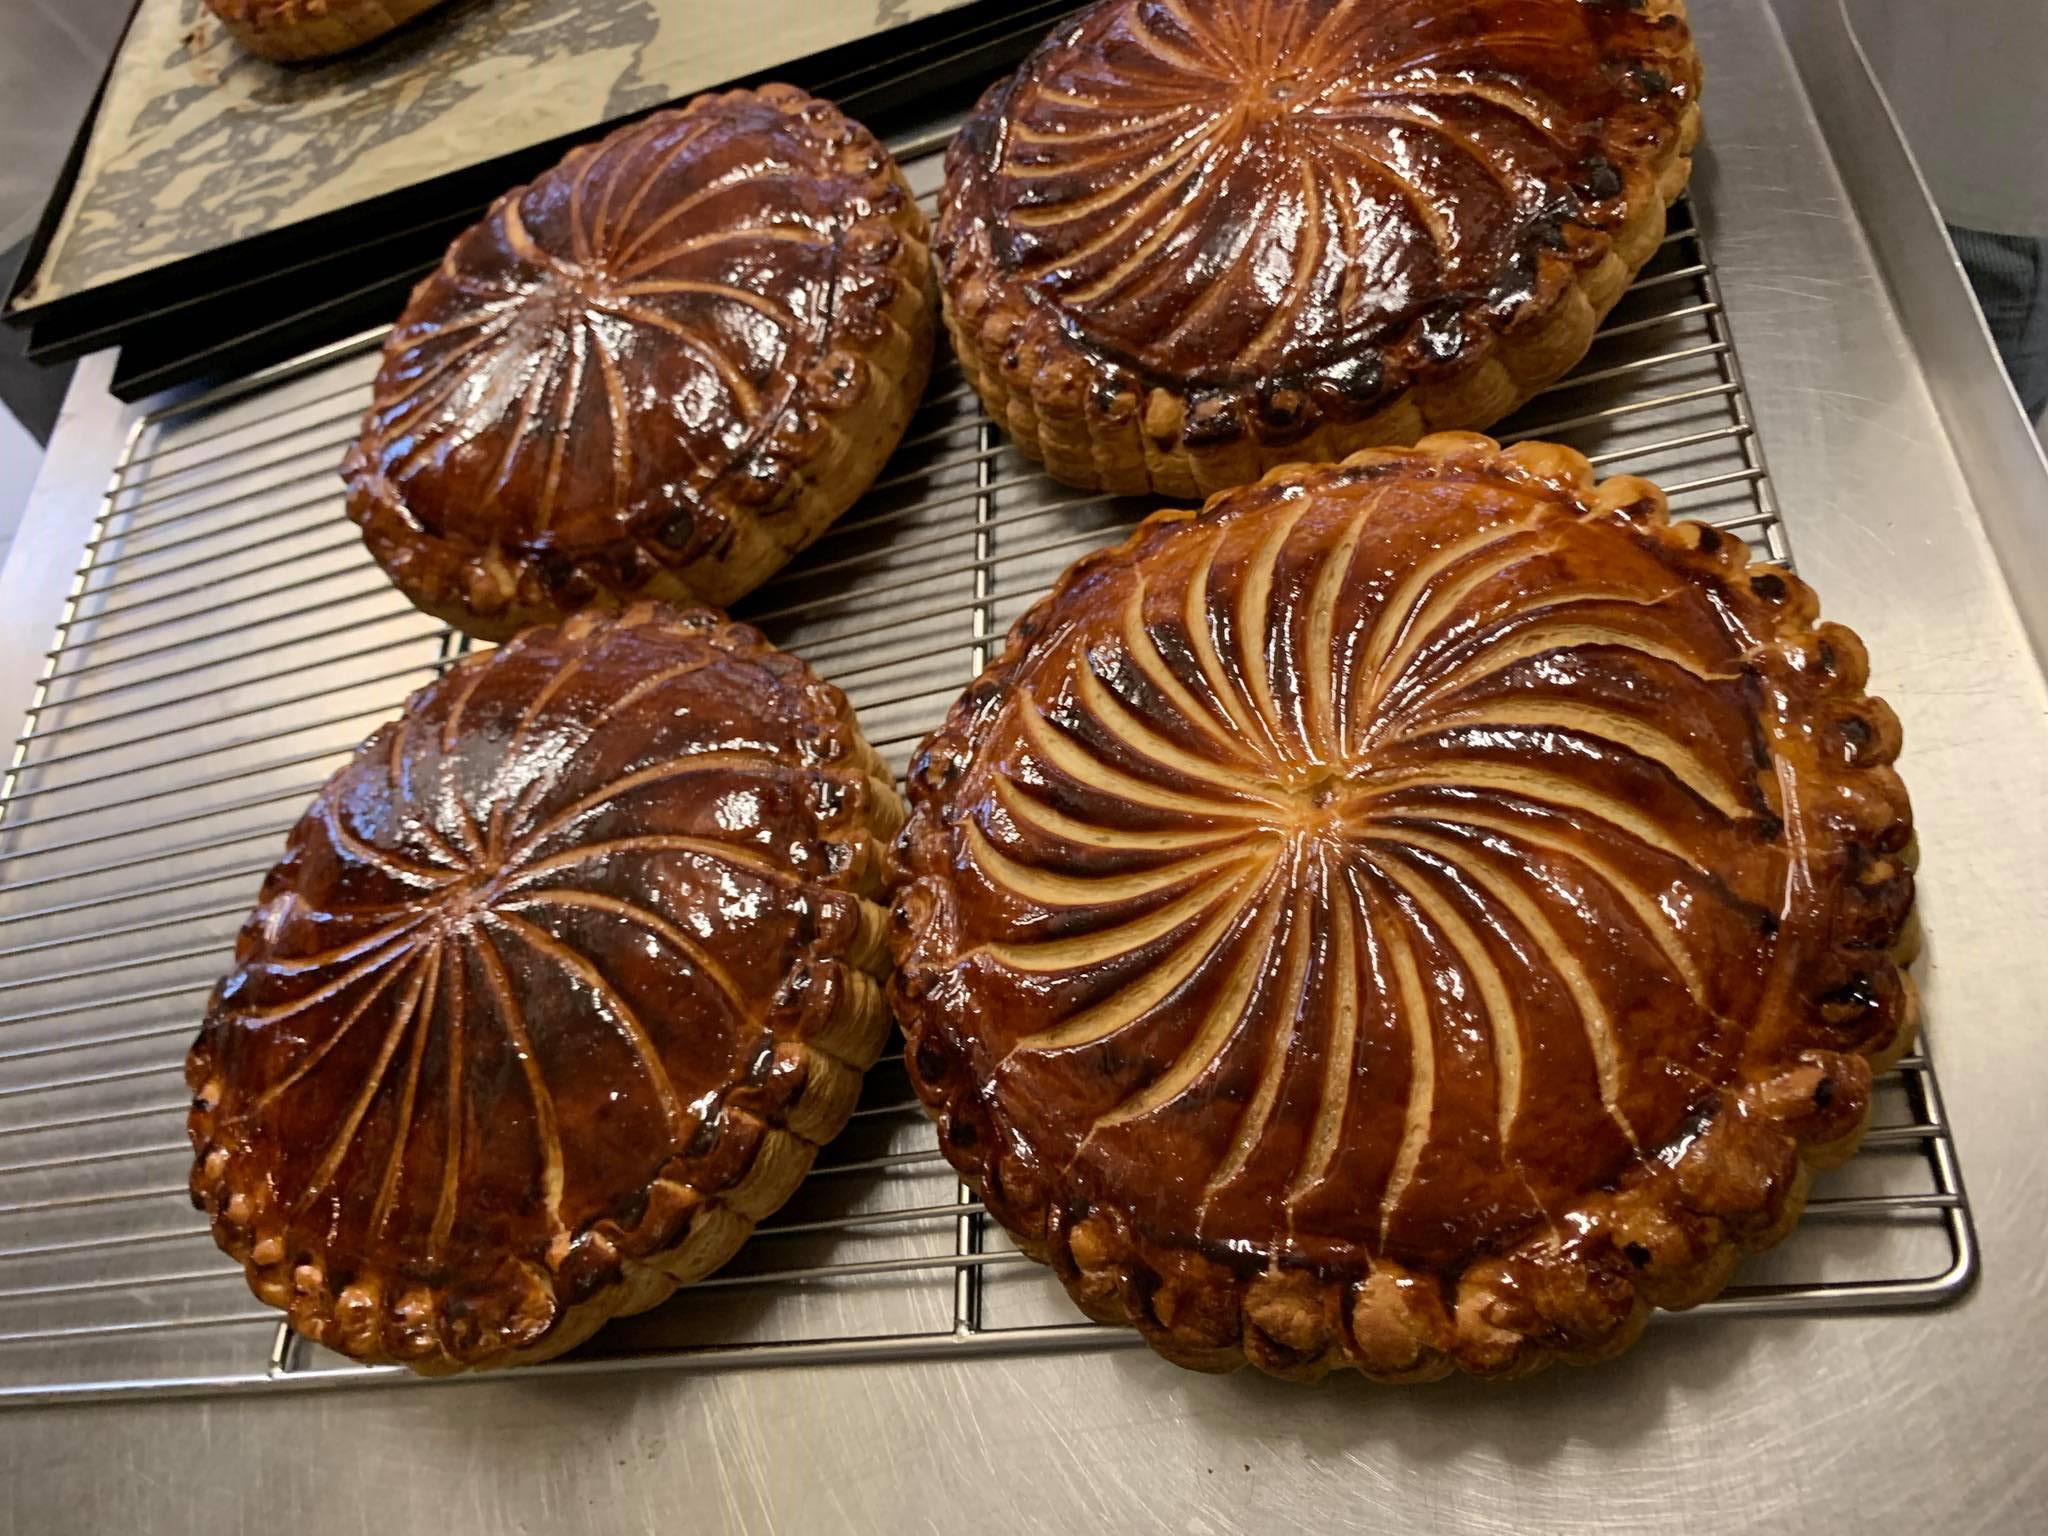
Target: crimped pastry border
(1666, 1236)
(294, 31)
(690, 1224)
(853, 401)
(1097, 425)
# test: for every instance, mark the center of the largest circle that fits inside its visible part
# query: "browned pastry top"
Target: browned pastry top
(1394, 861)
(533, 973)
(625, 351)
(1271, 191)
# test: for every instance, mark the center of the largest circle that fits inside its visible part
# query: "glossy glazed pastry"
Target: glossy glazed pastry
(291, 31)
(1192, 239)
(1414, 914)
(560, 983)
(658, 372)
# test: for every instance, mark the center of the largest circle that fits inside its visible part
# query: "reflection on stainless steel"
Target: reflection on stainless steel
(1714, 1423)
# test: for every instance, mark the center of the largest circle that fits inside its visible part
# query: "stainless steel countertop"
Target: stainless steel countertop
(1857, 1424)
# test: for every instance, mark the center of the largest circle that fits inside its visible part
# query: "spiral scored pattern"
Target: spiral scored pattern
(1435, 876)
(662, 368)
(1283, 214)
(557, 987)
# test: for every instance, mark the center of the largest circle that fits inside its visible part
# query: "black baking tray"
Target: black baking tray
(275, 295)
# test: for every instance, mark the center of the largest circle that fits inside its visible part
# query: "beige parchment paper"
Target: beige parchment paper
(198, 144)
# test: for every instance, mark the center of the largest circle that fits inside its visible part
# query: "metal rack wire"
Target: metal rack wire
(227, 642)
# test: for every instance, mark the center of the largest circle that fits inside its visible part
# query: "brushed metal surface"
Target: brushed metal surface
(1712, 1424)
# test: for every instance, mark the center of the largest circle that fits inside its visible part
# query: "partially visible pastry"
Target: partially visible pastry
(1415, 914)
(293, 31)
(657, 372)
(1188, 241)
(558, 987)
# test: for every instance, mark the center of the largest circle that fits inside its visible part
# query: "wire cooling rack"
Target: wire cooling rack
(227, 642)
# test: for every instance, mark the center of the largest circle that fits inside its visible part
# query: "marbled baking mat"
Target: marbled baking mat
(198, 145)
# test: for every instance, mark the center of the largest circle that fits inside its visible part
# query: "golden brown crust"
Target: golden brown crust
(1584, 861)
(560, 984)
(293, 31)
(656, 373)
(1146, 342)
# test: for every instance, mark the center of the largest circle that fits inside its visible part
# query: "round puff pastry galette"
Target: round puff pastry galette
(294, 31)
(1192, 239)
(1416, 913)
(657, 372)
(559, 986)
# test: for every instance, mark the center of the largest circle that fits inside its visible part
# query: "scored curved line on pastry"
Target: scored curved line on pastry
(408, 1094)
(1416, 1117)
(1254, 621)
(1500, 886)
(1092, 890)
(1561, 633)
(614, 1004)
(1535, 784)
(736, 855)
(1425, 622)
(1339, 1052)
(1104, 946)
(1399, 610)
(1504, 1024)
(650, 179)
(737, 384)
(1117, 718)
(512, 1018)
(344, 1138)
(1610, 725)
(558, 447)
(282, 1011)
(1221, 1022)
(746, 177)
(615, 410)
(1326, 740)
(653, 922)
(1280, 1050)
(1141, 995)
(1052, 746)
(1651, 916)
(1202, 643)
(455, 1131)
(318, 1054)
(1145, 654)
(541, 783)
(1057, 825)
(376, 939)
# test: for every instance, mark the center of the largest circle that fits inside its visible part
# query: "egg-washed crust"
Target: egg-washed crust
(1102, 420)
(1669, 1230)
(821, 1026)
(294, 31)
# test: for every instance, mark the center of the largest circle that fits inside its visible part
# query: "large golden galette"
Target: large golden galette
(557, 989)
(1418, 912)
(657, 372)
(1192, 239)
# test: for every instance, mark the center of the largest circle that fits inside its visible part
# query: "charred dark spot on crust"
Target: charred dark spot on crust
(931, 1062)
(1636, 1254)
(1856, 732)
(1709, 537)
(706, 1136)
(1824, 1093)
(1648, 81)
(1598, 180)
(1770, 826)
(1825, 655)
(962, 1133)
(1212, 419)
(1357, 379)
(1769, 586)
(1767, 924)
